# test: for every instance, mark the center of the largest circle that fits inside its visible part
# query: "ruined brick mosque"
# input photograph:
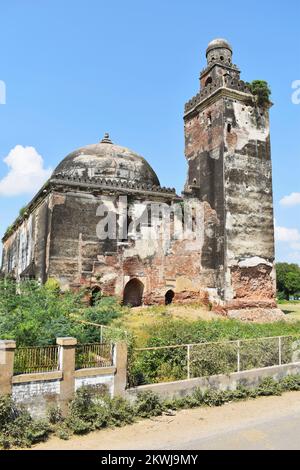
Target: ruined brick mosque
(229, 178)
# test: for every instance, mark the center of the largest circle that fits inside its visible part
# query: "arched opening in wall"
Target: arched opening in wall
(208, 81)
(95, 295)
(169, 296)
(133, 293)
(228, 128)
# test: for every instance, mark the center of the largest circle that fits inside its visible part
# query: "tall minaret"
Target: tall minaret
(227, 146)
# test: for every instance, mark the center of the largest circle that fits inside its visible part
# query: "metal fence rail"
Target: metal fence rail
(93, 355)
(181, 361)
(36, 359)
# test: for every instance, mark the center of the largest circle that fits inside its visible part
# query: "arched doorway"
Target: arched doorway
(169, 296)
(133, 293)
(95, 295)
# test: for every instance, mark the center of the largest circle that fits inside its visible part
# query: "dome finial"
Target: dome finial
(106, 139)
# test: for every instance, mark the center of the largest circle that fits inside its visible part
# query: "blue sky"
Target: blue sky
(76, 69)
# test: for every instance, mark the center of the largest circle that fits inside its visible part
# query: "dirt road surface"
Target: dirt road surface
(263, 423)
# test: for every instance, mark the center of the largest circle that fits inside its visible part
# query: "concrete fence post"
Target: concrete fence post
(7, 354)
(67, 366)
(188, 361)
(238, 356)
(279, 350)
(120, 362)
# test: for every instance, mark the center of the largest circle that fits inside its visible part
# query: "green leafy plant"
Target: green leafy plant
(17, 428)
(54, 415)
(148, 404)
(163, 365)
(35, 315)
(261, 90)
(22, 211)
(88, 411)
(288, 279)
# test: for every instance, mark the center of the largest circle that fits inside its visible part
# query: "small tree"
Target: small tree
(261, 90)
(293, 282)
(288, 279)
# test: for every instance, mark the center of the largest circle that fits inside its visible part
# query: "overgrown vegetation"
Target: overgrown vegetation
(22, 211)
(35, 315)
(260, 89)
(17, 428)
(162, 365)
(89, 412)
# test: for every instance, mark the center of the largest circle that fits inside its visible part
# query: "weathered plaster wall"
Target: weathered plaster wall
(27, 244)
(249, 204)
(204, 154)
(228, 153)
(78, 257)
(97, 382)
(37, 396)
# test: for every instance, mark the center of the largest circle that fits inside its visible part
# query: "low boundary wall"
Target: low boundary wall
(249, 378)
(37, 391)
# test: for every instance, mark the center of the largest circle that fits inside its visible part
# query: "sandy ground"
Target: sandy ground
(250, 423)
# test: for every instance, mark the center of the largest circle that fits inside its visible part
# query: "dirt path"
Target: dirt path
(248, 422)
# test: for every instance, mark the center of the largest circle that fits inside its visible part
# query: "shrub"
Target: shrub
(8, 411)
(148, 404)
(17, 428)
(261, 90)
(54, 414)
(52, 285)
(214, 398)
(102, 419)
(120, 411)
(36, 315)
(291, 382)
(38, 431)
(63, 432)
(88, 412)
(78, 425)
(269, 386)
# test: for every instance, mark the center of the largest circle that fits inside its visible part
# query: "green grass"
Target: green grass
(153, 326)
(291, 309)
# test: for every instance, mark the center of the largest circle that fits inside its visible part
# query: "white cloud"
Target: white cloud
(284, 234)
(290, 236)
(292, 199)
(26, 172)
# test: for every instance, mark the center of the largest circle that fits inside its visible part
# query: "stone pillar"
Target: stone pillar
(7, 353)
(67, 366)
(120, 362)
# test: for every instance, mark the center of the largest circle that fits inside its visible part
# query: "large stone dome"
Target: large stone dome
(107, 160)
